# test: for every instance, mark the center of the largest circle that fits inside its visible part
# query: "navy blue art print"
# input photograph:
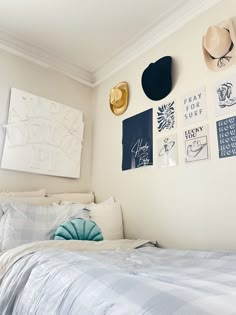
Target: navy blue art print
(226, 132)
(137, 141)
(166, 117)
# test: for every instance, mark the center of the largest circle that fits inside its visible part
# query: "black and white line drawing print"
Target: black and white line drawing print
(196, 144)
(194, 149)
(225, 96)
(224, 92)
(167, 151)
(167, 147)
(166, 116)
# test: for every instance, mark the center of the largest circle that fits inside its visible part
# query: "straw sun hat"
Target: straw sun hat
(119, 98)
(218, 46)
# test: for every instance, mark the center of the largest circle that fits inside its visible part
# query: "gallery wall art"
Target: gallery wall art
(225, 96)
(166, 116)
(196, 144)
(42, 136)
(226, 134)
(194, 106)
(167, 151)
(138, 140)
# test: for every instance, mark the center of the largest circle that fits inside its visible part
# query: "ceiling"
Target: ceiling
(89, 40)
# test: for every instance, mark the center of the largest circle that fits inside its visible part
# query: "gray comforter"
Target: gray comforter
(136, 281)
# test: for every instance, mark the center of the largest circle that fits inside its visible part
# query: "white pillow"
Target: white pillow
(24, 223)
(32, 193)
(108, 201)
(30, 200)
(85, 198)
(108, 216)
(20, 194)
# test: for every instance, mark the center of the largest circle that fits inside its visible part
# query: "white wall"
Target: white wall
(22, 74)
(188, 206)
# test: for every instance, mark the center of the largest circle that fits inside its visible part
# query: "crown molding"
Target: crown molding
(168, 24)
(28, 51)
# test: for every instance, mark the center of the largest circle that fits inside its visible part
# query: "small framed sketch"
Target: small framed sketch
(196, 144)
(225, 96)
(166, 117)
(226, 134)
(167, 151)
(194, 106)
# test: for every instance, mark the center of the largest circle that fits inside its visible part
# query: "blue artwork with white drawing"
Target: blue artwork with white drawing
(226, 133)
(137, 141)
(166, 117)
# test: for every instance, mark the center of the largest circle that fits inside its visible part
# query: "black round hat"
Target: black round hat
(157, 79)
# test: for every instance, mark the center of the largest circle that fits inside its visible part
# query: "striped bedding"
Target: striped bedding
(139, 281)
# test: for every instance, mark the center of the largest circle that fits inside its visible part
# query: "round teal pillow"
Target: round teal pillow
(79, 229)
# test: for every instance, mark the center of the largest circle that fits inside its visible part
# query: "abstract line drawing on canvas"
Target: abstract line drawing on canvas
(45, 136)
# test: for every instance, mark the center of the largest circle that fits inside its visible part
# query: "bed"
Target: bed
(42, 275)
(115, 277)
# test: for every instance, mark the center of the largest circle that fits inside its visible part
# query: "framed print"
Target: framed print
(166, 117)
(167, 151)
(226, 135)
(138, 140)
(194, 106)
(225, 96)
(196, 144)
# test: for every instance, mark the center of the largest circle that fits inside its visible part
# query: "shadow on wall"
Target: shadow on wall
(175, 71)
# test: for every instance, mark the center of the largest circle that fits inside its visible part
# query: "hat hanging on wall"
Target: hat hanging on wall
(218, 46)
(157, 79)
(119, 95)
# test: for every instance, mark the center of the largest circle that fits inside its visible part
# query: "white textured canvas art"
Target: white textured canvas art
(42, 136)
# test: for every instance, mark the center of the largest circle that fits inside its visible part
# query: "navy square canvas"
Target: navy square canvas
(138, 140)
(226, 132)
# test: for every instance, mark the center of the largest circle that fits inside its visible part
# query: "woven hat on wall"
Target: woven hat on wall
(119, 95)
(157, 79)
(218, 46)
